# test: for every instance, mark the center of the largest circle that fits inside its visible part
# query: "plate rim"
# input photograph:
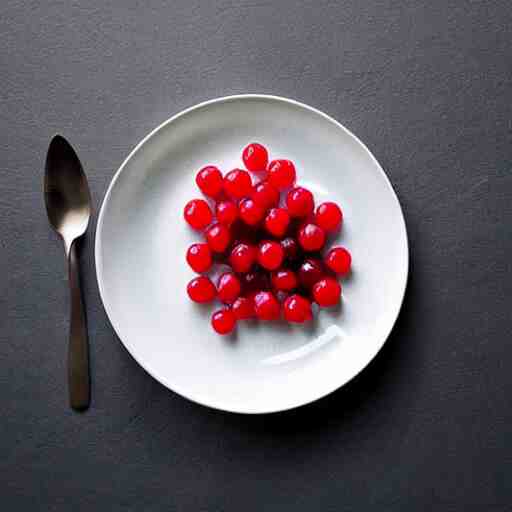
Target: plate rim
(98, 249)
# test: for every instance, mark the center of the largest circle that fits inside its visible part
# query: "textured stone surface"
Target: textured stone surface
(428, 86)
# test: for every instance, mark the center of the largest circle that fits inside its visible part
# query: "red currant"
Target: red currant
(327, 292)
(311, 237)
(310, 272)
(199, 257)
(338, 259)
(238, 184)
(265, 195)
(297, 309)
(243, 308)
(266, 306)
(227, 212)
(209, 180)
(284, 280)
(201, 289)
(228, 287)
(218, 237)
(255, 157)
(281, 174)
(276, 221)
(329, 216)
(291, 249)
(223, 321)
(300, 202)
(250, 211)
(242, 257)
(270, 255)
(197, 213)
(255, 282)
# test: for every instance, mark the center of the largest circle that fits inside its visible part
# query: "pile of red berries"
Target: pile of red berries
(273, 247)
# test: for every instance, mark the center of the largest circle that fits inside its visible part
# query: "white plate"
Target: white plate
(141, 240)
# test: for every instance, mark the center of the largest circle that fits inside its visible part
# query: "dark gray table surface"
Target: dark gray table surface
(428, 425)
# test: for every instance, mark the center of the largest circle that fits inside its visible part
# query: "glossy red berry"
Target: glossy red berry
(218, 237)
(300, 202)
(329, 216)
(242, 257)
(228, 287)
(209, 180)
(197, 213)
(297, 309)
(310, 272)
(255, 282)
(243, 308)
(237, 184)
(291, 249)
(327, 292)
(199, 257)
(339, 260)
(265, 195)
(284, 280)
(255, 157)
(270, 255)
(281, 174)
(277, 221)
(226, 212)
(201, 289)
(266, 306)
(223, 321)
(250, 211)
(311, 237)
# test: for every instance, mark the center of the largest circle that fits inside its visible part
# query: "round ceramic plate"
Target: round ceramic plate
(141, 241)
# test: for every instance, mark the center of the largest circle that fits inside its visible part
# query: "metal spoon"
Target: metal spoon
(68, 204)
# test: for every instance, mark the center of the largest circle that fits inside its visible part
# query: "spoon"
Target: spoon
(68, 204)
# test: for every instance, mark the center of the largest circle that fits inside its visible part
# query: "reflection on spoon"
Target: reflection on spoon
(331, 334)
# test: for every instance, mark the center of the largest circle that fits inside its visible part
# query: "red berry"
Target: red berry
(218, 237)
(265, 195)
(270, 255)
(223, 321)
(276, 221)
(327, 292)
(199, 257)
(197, 213)
(297, 309)
(201, 289)
(255, 157)
(284, 280)
(251, 212)
(281, 174)
(255, 282)
(310, 272)
(300, 202)
(311, 237)
(281, 296)
(266, 306)
(291, 249)
(243, 308)
(209, 180)
(227, 212)
(329, 216)
(242, 257)
(338, 260)
(238, 184)
(228, 287)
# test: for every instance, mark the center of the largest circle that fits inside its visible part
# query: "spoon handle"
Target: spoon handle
(78, 356)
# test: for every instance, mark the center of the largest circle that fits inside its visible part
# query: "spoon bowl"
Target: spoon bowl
(68, 201)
